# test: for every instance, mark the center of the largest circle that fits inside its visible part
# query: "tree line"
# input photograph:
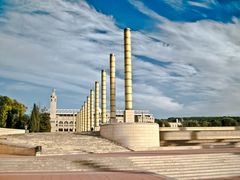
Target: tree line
(13, 115)
(202, 121)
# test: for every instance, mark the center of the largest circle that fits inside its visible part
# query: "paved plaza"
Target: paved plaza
(81, 156)
(64, 143)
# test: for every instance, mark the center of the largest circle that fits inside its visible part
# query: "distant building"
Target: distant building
(64, 120)
(175, 124)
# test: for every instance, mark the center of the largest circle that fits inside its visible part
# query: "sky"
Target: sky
(186, 54)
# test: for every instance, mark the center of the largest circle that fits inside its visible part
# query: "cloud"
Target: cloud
(143, 9)
(204, 57)
(180, 68)
(197, 4)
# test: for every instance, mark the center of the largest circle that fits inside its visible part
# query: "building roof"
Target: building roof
(118, 112)
(67, 111)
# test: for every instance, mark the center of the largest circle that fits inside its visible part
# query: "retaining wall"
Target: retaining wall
(136, 136)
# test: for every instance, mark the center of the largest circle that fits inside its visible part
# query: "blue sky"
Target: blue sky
(186, 54)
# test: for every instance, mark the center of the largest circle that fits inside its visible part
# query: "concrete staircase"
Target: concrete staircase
(40, 164)
(64, 143)
(197, 166)
(59, 150)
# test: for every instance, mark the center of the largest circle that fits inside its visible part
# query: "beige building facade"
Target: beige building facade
(64, 120)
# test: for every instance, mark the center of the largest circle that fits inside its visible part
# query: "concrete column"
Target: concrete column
(96, 123)
(88, 113)
(91, 109)
(77, 122)
(112, 88)
(85, 117)
(128, 113)
(81, 122)
(103, 96)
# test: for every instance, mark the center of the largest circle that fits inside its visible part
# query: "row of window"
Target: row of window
(66, 130)
(65, 123)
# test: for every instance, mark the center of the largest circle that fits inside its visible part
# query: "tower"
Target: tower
(96, 120)
(103, 96)
(53, 111)
(53, 105)
(128, 113)
(112, 89)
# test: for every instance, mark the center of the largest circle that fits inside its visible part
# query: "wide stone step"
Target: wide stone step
(203, 175)
(188, 169)
(187, 166)
(185, 160)
(166, 163)
(195, 169)
(195, 156)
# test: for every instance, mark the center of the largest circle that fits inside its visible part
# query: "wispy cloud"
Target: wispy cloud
(198, 4)
(65, 44)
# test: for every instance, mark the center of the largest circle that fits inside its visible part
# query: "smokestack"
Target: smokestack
(128, 113)
(112, 88)
(96, 104)
(103, 96)
(91, 109)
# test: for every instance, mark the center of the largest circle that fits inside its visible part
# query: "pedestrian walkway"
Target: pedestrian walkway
(64, 143)
(96, 156)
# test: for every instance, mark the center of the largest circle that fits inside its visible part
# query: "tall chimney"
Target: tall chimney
(96, 104)
(128, 113)
(112, 89)
(103, 96)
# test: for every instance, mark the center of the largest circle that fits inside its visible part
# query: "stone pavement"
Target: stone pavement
(82, 176)
(171, 164)
(64, 143)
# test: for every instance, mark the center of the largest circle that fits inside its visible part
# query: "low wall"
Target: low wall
(230, 128)
(135, 136)
(7, 131)
(17, 150)
(168, 134)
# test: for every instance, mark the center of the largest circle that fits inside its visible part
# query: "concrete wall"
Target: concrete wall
(6, 131)
(199, 128)
(17, 150)
(136, 136)
(199, 133)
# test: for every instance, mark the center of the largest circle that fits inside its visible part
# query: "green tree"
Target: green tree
(166, 124)
(10, 111)
(216, 122)
(34, 119)
(204, 123)
(228, 121)
(45, 125)
(190, 123)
